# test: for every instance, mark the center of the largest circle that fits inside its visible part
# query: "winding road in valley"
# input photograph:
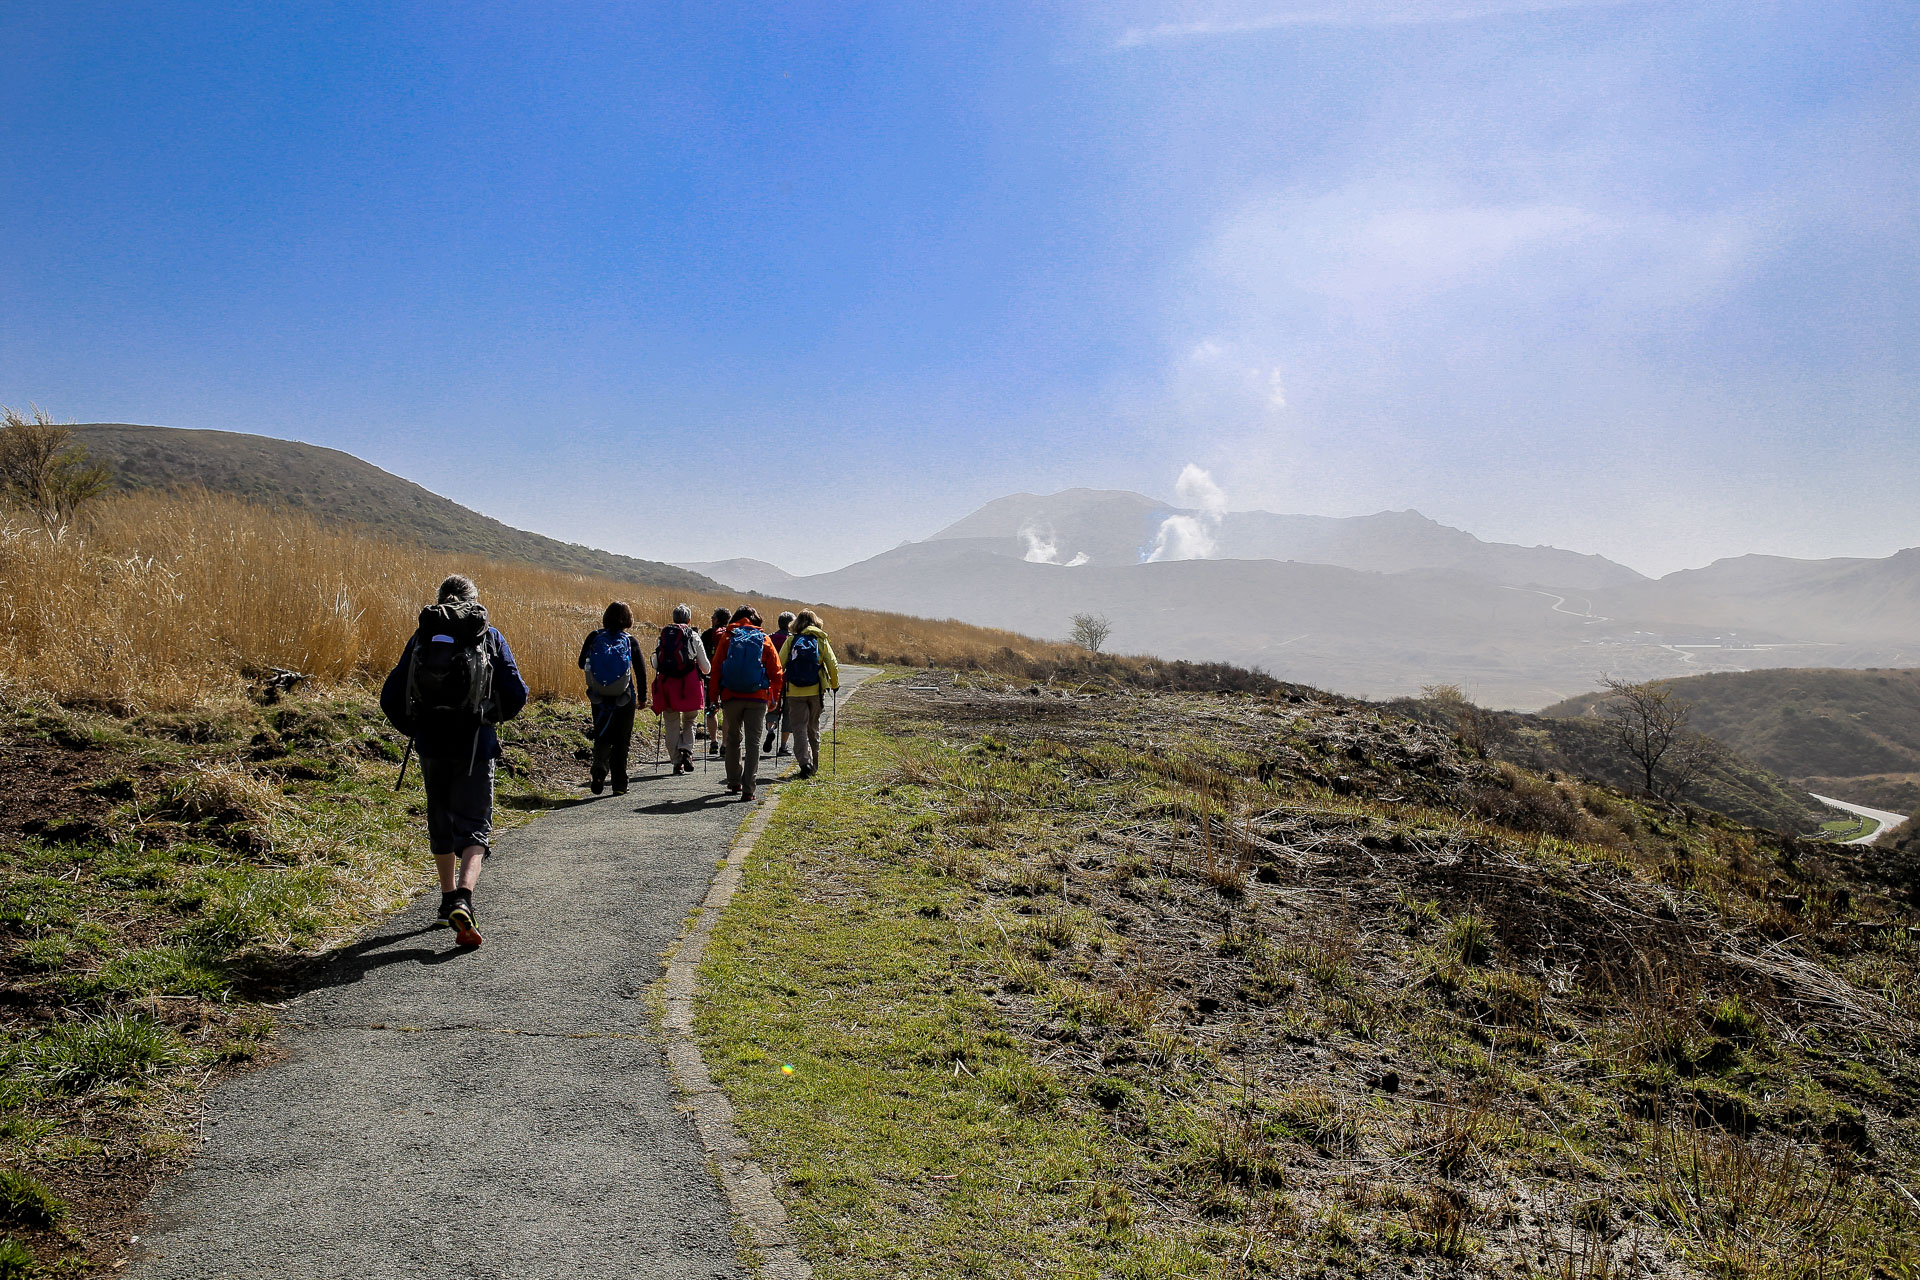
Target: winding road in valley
(1888, 821)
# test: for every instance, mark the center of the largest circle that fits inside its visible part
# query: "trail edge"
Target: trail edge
(748, 1189)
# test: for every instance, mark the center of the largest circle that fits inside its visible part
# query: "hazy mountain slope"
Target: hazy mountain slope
(1841, 600)
(1857, 732)
(743, 573)
(1318, 624)
(1115, 527)
(339, 486)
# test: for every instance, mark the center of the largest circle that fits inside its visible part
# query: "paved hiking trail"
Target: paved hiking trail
(505, 1112)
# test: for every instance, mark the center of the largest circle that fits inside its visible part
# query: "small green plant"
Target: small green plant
(1470, 939)
(118, 1049)
(15, 1262)
(25, 1201)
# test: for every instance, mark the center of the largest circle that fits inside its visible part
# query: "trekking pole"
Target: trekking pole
(401, 780)
(836, 733)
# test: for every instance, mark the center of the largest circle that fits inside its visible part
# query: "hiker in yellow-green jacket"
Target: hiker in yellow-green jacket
(808, 660)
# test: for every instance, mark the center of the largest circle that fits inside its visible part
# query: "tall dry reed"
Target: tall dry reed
(164, 599)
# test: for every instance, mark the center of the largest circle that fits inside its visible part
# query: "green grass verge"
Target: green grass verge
(914, 1135)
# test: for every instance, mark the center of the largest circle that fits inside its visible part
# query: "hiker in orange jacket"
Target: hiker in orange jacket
(746, 680)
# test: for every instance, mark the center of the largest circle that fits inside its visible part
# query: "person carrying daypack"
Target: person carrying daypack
(745, 682)
(710, 640)
(455, 680)
(777, 714)
(680, 668)
(811, 670)
(616, 674)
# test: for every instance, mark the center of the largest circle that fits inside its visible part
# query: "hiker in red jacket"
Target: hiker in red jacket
(746, 681)
(679, 684)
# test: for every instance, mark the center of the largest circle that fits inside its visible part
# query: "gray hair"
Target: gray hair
(786, 619)
(683, 613)
(458, 588)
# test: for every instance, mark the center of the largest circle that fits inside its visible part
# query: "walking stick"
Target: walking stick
(401, 780)
(836, 733)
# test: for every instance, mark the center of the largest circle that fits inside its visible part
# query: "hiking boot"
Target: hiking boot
(713, 748)
(447, 901)
(461, 918)
(734, 787)
(686, 759)
(785, 750)
(620, 787)
(597, 784)
(747, 795)
(767, 744)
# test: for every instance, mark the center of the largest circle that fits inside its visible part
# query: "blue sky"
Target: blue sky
(804, 281)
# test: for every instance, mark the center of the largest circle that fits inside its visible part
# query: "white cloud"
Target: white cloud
(1354, 13)
(1193, 537)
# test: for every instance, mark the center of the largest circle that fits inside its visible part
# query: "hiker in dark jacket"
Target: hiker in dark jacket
(709, 638)
(777, 714)
(453, 683)
(616, 673)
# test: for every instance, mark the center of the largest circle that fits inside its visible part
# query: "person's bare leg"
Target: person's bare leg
(448, 865)
(471, 859)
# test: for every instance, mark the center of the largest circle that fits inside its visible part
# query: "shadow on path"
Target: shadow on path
(349, 964)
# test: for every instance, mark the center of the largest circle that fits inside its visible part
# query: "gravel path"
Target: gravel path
(506, 1112)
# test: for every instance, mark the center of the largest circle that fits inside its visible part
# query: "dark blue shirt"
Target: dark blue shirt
(440, 743)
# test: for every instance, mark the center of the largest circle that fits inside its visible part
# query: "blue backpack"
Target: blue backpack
(610, 664)
(803, 661)
(744, 671)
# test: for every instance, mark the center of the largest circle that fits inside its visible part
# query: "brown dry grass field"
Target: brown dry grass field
(165, 600)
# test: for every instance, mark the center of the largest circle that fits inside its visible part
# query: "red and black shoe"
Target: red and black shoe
(461, 918)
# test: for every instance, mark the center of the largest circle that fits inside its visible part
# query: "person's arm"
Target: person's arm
(393, 694)
(639, 661)
(584, 646)
(833, 667)
(698, 652)
(786, 649)
(720, 640)
(509, 688)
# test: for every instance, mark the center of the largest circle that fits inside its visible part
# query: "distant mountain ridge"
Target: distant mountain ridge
(1382, 605)
(338, 486)
(1118, 527)
(743, 573)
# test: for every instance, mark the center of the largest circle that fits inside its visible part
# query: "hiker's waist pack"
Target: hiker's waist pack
(745, 669)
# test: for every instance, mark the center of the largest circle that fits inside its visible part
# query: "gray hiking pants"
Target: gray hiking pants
(679, 729)
(803, 719)
(746, 718)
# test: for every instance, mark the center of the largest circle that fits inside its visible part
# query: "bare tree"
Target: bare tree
(43, 470)
(1090, 630)
(1650, 728)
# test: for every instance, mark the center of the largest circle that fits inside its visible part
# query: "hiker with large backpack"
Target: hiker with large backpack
(811, 670)
(680, 668)
(777, 714)
(616, 673)
(453, 683)
(710, 641)
(746, 681)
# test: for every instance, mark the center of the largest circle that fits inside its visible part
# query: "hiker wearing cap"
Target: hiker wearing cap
(455, 680)
(745, 682)
(810, 669)
(777, 714)
(615, 675)
(680, 668)
(709, 640)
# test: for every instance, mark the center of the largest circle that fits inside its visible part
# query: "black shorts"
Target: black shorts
(459, 804)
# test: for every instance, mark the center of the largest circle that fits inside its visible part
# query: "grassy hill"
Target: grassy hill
(1581, 747)
(1854, 735)
(337, 486)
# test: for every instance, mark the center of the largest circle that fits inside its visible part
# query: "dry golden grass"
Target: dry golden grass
(162, 600)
